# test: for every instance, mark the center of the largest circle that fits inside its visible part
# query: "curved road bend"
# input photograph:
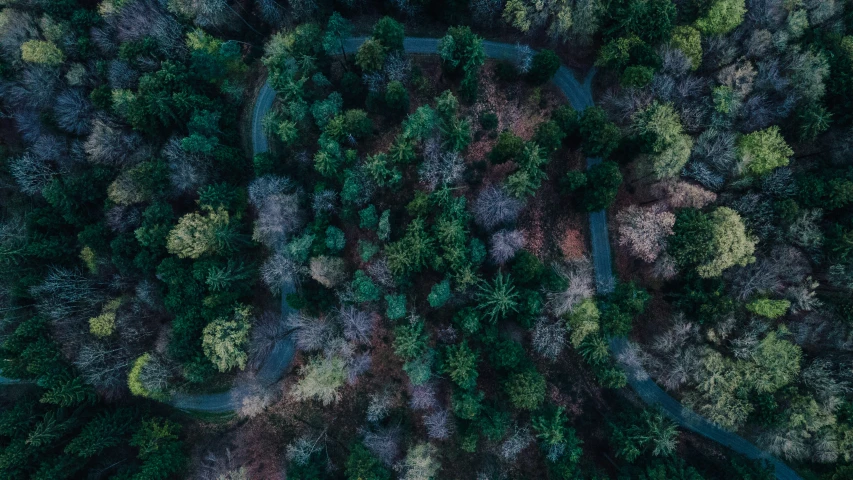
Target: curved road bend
(580, 97)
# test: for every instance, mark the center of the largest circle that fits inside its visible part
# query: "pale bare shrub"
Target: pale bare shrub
(578, 276)
(495, 207)
(438, 424)
(504, 245)
(549, 337)
(644, 231)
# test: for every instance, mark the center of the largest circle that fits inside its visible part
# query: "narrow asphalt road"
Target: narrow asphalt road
(580, 97)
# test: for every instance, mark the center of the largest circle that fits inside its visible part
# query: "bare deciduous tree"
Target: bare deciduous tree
(271, 11)
(328, 271)
(702, 173)
(665, 267)
(280, 269)
(803, 296)
(110, 145)
(782, 267)
(485, 12)
(384, 443)
(311, 334)
(380, 405)
(680, 194)
(438, 424)
(644, 231)
(440, 167)
(278, 209)
(156, 373)
(397, 67)
(358, 365)
(104, 366)
(34, 89)
(381, 273)
(504, 245)
(579, 280)
(187, 171)
(495, 207)
(122, 75)
(357, 324)
(124, 218)
(422, 396)
(717, 149)
(73, 111)
(68, 294)
(16, 27)
(267, 330)
(673, 61)
(29, 124)
(549, 337)
(515, 443)
(805, 232)
(324, 201)
(146, 18)
(622, 104)
(31, 173)
(300, 450)
(779, 183)
(523, 57)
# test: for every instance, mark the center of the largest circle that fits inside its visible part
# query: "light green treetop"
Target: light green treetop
(224, 340)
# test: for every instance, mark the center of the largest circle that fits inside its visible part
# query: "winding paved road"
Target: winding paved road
(580, 96)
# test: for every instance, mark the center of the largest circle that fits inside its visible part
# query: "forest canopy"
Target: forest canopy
(259, 239)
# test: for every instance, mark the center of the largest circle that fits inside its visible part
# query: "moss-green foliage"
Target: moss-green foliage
(42, 52)
(651, 431)
(488, 120)
(763, 151)
(371, 55)
(460, 363)
(601, 186)
(769, 308)
(467, 404)
(468, 320)
(637, 76)
(620, 308)
(712, 242)
(688, 40)
(525, 389)
(335, 239)
(595, 350)
(224, 340)
(396, 306)
(667, 147)
(390, 33)
(583, 321)
(397, 97)
(439, 294)
(600, 136)
(544, 65)
(199, 234)
(363, 288)
(64, 429)
(363, 465)
(462, 55)
(410, 340)
(549, 136)
(651, 20)
(508, 147)
(413, 252)
(722, 17)
(498, 298)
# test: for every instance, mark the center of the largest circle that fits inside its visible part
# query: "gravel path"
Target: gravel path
(580, 96)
